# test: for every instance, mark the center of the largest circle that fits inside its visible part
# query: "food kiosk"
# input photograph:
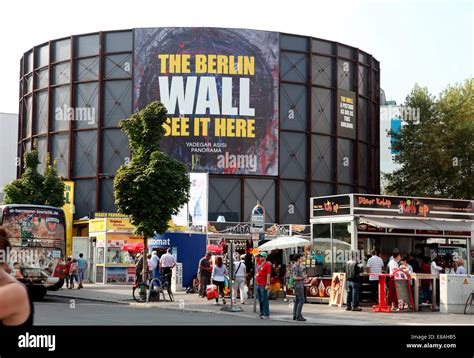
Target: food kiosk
(111, 263)
(361, 222)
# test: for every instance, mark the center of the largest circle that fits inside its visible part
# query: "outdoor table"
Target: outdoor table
(382, 306)
(424, 276)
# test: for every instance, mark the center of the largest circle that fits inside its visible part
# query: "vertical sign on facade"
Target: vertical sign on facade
(346, 114)
(68, 209)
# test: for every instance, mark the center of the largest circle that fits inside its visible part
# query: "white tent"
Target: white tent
(284, 242)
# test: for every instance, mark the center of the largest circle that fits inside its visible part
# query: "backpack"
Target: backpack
(73, 269)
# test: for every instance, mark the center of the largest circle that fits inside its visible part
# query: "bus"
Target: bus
(37, 235)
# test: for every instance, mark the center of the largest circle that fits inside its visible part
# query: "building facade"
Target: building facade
(298, 116)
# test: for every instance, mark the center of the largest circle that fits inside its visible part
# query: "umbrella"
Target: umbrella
(133, 247)
(214, 249)
(284, 242)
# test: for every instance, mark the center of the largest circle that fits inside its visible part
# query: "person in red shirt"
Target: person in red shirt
(262, 280)
(425, 284)
(67, 274)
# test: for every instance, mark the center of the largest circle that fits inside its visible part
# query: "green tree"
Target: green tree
(152, 186)
(436, 148)
(34, 188)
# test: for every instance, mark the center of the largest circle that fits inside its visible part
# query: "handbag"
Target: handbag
(212, 292)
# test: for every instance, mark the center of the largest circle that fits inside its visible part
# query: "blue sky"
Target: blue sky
(425, 42)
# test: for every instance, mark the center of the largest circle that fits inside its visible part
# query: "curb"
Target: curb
(91, 299)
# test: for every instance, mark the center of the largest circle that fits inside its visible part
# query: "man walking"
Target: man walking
(298, 276)
(263, 273)
(167, 262)
(204, 274)
(239, 279)
(353, 270)
(374, 265)
(81, 269)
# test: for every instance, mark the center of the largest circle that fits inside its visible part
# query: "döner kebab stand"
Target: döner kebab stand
(362, 222)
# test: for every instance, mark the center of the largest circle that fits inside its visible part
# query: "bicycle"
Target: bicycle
(469, 302)
(143, 293)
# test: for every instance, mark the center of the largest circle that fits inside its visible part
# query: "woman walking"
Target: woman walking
(219, 272)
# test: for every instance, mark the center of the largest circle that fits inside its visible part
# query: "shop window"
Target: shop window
(322, 246)
(117, 256)
(341, 234)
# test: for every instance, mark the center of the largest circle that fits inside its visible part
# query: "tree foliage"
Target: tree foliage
(34, 188)
(436, 150)
(152, 186)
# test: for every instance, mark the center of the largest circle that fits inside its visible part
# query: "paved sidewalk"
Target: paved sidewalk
(320, 314)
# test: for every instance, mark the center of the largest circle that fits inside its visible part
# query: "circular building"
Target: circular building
(272, 117)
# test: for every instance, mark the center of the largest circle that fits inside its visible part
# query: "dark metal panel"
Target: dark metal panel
(293, 202)
(293, 155)
(114, 151)
(118, 41)
(323, 70)
(107, 199)
(323, 47)
(322, 189)
(87, 45)
(296, 43)
(87, 69)
(322, 158)
(293, 67)
(84, 197)
(224, 198)
(345, 79)
(345, 161)
(322, 101)
(262, 190)
(85, 153)
(62, 50)
(86, 105)
(117, 102)
(41, 112)
(60, 103)
(293, 107)
(118, 66)
(60, 152)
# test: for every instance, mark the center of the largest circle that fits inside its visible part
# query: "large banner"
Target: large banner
(220, 87)
(195, 212)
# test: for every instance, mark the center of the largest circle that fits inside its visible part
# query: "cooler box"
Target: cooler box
(454, 291)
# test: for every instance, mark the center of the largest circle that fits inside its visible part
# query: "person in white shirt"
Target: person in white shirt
(239, 280)
(436, 269)
(460, 270)
(392, 293)
(374, 265)
(167, 262)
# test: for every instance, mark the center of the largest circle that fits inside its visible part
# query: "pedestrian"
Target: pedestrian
(425, 283)
(156, 265)
(167, 263)
(374, 265)
(73, 273)
(67, 274)
(436, 269)
(249, 267)
(204, 274)
(262, 284)
(150, 265)
(219, 272)
(16, 308)
(353, 271)
(81, 269)
(299, 276)
(460, 270)
(414, 263)
(392, 291)
(239, 280)
(138, 268)
(405, 266)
